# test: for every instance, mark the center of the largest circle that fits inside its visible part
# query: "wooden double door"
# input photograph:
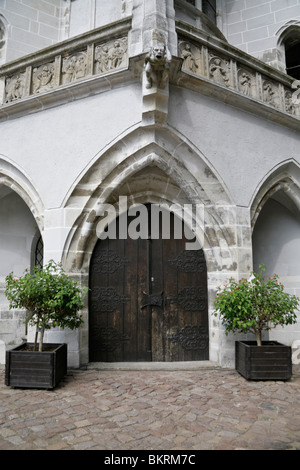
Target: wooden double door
(147, 301)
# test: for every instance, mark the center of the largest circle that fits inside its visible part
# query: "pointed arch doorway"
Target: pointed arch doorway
(148, 298)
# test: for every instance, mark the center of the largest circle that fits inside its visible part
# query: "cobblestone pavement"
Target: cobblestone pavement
(145, 410)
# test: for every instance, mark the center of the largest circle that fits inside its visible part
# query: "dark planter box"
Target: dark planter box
(34, 369)
(270, 361)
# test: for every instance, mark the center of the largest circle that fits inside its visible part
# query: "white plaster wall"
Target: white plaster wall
(241, 147)
(55, 146)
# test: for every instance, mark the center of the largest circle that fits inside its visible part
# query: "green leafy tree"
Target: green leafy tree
(255, 305)
(50, 296)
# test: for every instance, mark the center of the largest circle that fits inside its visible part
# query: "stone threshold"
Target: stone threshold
(171, 366)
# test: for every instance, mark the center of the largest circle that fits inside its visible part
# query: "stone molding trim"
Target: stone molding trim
(286, 179)
(13, 177)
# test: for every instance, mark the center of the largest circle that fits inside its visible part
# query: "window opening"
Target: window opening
(292, 58)
(209, 7)
(39, 253)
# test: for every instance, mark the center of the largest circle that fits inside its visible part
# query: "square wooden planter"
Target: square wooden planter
(270, 361)
(34, 369)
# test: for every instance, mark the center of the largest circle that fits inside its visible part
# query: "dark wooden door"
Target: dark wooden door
(148, 301)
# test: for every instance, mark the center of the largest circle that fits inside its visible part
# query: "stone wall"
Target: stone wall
(255, 26)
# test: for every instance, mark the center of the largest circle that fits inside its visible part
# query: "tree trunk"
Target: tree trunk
(258, 338)
(41, 339)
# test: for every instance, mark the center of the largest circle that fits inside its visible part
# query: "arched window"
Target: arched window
(292, 57)
(289, 46)
(39, 253)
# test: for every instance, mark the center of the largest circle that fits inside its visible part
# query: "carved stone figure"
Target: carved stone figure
(289, 103)
(110, 56)
(245, 83)
(157, 66)
(14, 88)
(42, 78)
(102, 59)
(268, 93)
(74, 67)
(219, 71)
(189, 60)
(116, 55)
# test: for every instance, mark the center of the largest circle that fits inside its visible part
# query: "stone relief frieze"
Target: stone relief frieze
(224, 71)
(270, 93)
(246, 82)
(290, 106)
(74, 67)
(219, 70)
(43, 78)
(110, 56)
(191, 56)
(15, 87)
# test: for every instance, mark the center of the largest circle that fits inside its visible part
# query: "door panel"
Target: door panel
(148, 301)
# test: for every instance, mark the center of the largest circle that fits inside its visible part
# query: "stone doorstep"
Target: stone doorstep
(172, 366)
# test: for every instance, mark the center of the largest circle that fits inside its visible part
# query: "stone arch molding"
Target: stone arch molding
(285, 178)
(155, 166)
(14, 178)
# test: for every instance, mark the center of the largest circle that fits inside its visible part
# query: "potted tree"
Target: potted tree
(52, 299)
(255, 305)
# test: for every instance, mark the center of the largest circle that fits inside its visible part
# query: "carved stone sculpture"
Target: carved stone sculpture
(157, 64)
(219, 71)
(245, 82)
(15, 88)
(42, 78)
(268, 93)
(189, 60)
(110, 56)
(74, 67)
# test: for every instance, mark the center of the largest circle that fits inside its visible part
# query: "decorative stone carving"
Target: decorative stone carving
(191, 57)
(246, 82)
(157, 64)
(42, 78)
(289, 103)
(219, 70)
(269, 93)
(74, 67)
(111, 55)
(14, 89)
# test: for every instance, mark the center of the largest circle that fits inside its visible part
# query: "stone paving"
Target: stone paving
(144, 410)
